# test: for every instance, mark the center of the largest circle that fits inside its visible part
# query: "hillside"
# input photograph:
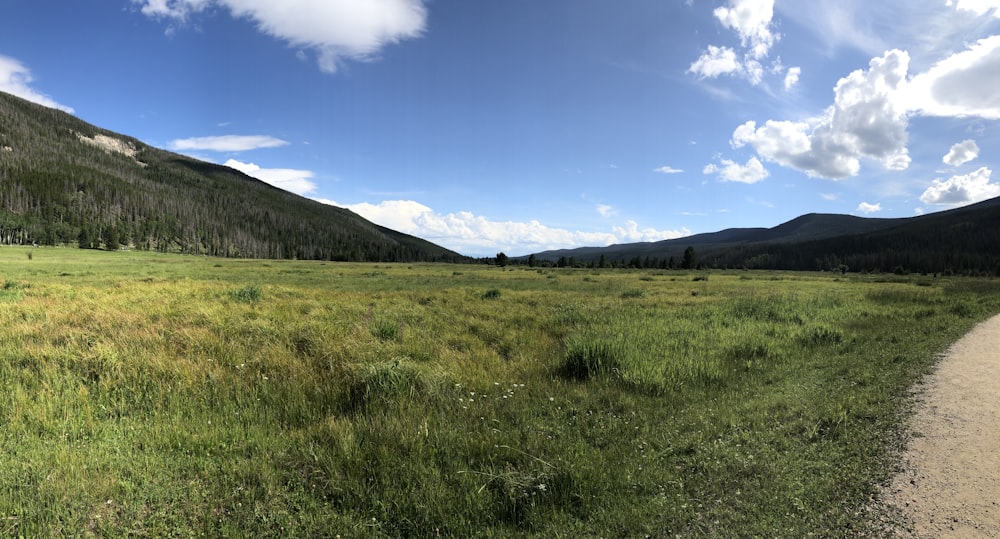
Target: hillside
(962, 240)
(66, 182)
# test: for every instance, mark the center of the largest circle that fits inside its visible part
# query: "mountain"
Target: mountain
(962, 240)
(66, 182)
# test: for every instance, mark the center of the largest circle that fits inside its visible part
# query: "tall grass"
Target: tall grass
(163, 396)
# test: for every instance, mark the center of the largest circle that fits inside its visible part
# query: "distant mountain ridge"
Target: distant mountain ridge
(66, 182)
(965, 239)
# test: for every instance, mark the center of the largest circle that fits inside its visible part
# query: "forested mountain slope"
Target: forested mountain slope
(965, 240)
(66, 182)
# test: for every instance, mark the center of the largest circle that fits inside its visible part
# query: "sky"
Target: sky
(519, 126)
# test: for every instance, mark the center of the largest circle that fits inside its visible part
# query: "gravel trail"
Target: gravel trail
(950, 484)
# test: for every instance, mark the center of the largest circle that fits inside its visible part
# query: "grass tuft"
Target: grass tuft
(633, 293)
(492, 293)
(589, 356)
(250, 293)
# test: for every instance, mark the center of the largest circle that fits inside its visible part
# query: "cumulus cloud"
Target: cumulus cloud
(962, 85)
(16, 79)
(336, 30)
(227, 143)
(752, 172)
(668, 170)
(295, 181)
(716, 61)
(962, 153)
(962, 190)
(476, 235)
(870, 115)
(751, 20)
(866, 120)
(865, 207)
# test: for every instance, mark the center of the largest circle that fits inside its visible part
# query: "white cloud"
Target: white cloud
(295, 181)
(871, 111)
(792, 77)
(174, 9)
(962, 85)
(752, 172)
(631, 232)
(962, 153)
(962, 190)
(716, 61)
(865, 207)
(866, 120)
(476, 235)
(977, 7)
(751, 19)
(606, 211)
(668, 170)
(227, 143)
(336, 30)
(16, 79)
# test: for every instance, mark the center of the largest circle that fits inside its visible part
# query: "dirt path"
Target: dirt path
(950, 486)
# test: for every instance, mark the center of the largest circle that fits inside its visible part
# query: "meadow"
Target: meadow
(178, 396)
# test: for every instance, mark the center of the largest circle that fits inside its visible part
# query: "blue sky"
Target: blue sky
(526, 125)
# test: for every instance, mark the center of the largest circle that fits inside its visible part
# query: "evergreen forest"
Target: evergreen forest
(66, 182)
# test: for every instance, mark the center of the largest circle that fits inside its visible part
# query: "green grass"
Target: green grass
(154, 395)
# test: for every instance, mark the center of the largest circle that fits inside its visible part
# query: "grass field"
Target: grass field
(169, 396)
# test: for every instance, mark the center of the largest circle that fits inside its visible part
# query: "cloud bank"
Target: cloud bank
(335, 30)
(476, 235)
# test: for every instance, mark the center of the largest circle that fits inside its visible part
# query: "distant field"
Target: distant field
(158, 395)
